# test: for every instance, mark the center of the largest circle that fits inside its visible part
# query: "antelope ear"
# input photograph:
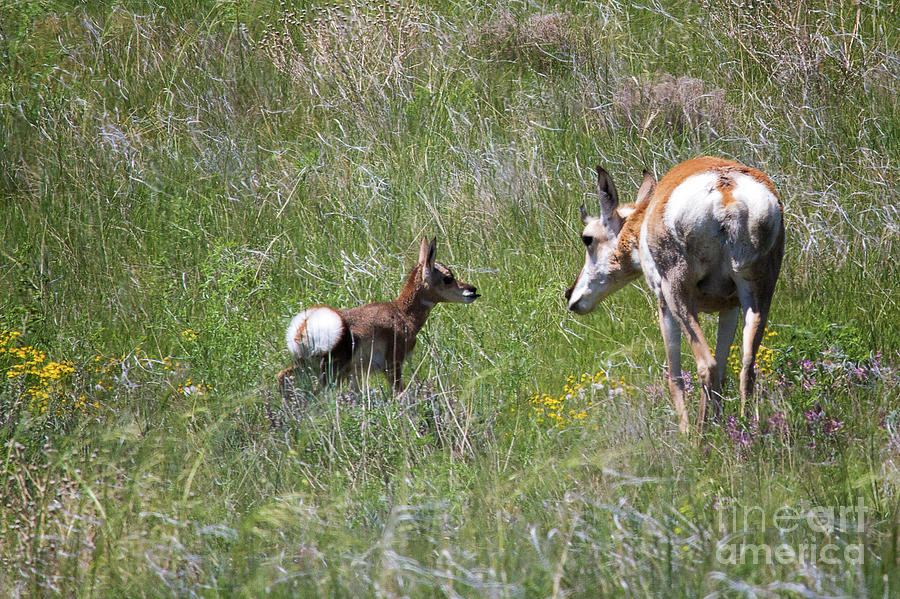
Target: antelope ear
(424, 250)
(646, 189)
(432, 249)
(584, 214)
(606, 194)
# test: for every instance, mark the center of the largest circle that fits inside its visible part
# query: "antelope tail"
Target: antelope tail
(314, 332)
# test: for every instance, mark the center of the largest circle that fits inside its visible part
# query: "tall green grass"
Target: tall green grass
(178, 179)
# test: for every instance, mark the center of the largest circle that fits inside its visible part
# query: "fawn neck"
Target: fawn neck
(414, 301)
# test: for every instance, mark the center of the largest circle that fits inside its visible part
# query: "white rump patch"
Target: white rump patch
(314, 332)
(692, 202)
(761, 203)
(697, 199)
(695, 215)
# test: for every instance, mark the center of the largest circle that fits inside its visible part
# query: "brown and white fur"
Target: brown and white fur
(375, 337)
(708, 238)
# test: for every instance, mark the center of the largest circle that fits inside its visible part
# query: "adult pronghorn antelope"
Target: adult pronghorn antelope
(375, 337)
(708, 238)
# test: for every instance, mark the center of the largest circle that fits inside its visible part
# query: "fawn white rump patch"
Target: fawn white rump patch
(314, 332)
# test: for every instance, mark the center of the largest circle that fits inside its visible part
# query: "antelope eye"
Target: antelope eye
(448, 279)
(587, 240)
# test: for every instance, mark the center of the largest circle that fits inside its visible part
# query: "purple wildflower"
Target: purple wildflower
(820, 424)
(741, 436)
(776, 424)
(814, 416)
(688, 385)
(830, 426)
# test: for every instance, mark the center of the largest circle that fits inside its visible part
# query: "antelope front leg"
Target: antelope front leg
(724, 336)
(706, 364)
(671, 334)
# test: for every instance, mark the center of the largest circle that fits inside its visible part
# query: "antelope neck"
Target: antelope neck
(411, 301)
(630, 238)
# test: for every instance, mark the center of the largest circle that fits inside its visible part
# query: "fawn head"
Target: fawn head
(437, 281)
(611, 260)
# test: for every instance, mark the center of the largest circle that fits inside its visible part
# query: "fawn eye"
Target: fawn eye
(448, 279)
(587, 240)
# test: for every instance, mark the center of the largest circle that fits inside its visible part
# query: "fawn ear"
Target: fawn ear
(426, 256)
(424, 248)
(432, 250)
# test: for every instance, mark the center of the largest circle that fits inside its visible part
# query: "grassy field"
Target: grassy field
(178, 179)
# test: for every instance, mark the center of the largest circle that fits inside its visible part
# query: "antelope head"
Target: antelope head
(611, 244)
(438, 282)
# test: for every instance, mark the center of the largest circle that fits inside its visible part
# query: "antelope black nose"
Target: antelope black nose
(569, 293)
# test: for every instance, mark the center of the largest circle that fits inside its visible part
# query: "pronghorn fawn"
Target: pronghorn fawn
(375, 337)
(709, 237)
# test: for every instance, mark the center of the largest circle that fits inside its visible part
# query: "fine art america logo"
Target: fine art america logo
(805, 534)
